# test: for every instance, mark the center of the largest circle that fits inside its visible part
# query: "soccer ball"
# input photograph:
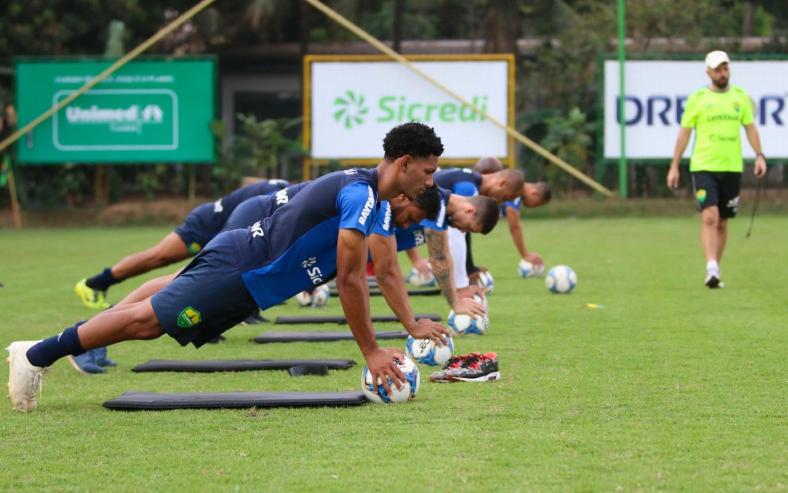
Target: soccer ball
(426, 352)
(304, 298)
(486, 281)
(561, 279)
(408, 391)
(462, 323)
(527, 269)
(320, 295)
(418, 279)
(482, 300)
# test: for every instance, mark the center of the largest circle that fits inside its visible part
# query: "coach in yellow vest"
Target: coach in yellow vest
(716, 112)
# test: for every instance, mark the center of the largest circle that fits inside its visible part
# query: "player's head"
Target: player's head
(406, 212)
(717, 68)
(503, 185)
(414, 149)
(536, 194)
(477, 214)
(487, 165)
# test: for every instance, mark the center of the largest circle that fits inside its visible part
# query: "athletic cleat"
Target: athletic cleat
(255, 319)
(85, 363)
(713, 280)
(100, 354)
(473, 367)
(90, 297)
(24, 379)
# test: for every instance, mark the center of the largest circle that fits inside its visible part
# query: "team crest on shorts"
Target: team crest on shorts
(188, 318)
(700, 195)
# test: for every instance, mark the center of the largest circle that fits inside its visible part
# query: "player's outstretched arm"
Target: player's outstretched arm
(392, 285)
(354, 296)
(681, 144)
(418, 263)
(516, 230)
(442, 268)
(755, 142)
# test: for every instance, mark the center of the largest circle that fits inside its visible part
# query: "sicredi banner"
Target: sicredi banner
(147, 111)
(657, 91)
(351, 105)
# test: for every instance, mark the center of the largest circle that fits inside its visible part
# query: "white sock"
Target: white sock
(712, 266)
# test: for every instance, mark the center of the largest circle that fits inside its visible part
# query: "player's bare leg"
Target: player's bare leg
(709, 223)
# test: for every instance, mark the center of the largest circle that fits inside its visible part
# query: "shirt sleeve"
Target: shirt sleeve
(356, 204)
(383, 221)
(465, 188)
(747, 116)
(690, 117)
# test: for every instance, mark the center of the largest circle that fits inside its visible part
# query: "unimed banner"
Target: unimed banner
(352, 104)
(656, 93)
(147, 111)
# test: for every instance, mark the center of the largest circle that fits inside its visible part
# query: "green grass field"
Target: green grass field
(669, 387)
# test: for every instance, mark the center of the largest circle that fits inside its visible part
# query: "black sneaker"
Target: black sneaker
(473, 367)
(713, 280)
(255, 319)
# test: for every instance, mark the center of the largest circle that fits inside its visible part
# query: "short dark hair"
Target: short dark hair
(486, 212)
(430, 202)
(414, 139)
(487, 165)
(514, 178)
(545, 193)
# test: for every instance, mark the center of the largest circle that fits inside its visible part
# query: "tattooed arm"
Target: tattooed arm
(442, 268)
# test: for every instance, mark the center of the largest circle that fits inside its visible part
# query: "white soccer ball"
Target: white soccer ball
(426, 352)
(486, 281)
(561, 279)
(408, 391)
(304, 298)
(528, 269)
(482, 300)
(418, 279)
(320, 295)
(462, 323)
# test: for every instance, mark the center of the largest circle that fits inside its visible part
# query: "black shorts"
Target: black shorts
(720, 189)
(207, 298)
(199, 228)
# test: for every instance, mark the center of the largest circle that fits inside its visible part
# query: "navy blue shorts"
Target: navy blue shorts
(207, 298)
(249, 211)
(198, 228)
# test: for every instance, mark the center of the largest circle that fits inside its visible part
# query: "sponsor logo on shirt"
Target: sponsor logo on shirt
(418, 236)
(441, 215)
(387, 218)
(281, 197)
(362, 220)
(218, 207)
(257, 230)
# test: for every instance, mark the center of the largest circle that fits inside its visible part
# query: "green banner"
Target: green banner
(147, 111)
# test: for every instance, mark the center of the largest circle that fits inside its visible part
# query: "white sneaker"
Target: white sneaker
(24, 379)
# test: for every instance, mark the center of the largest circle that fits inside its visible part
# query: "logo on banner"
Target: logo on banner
(350, 109)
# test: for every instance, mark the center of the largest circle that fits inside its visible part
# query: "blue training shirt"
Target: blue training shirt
(256, 208)
(296, 248)
(225, 206)
(462, 181)
(413, 235)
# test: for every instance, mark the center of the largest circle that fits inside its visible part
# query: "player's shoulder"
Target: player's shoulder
(698, 94)
(739, 92)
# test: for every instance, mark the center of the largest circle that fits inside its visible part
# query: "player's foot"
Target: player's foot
(90, 297)
(217, 339)
(24, 379)
(100, 354)
(473, 367)
(86, 363)
(255, 319)
(713, 280)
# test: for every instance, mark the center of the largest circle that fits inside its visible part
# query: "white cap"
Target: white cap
(715, 58)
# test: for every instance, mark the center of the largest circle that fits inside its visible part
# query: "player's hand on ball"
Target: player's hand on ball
(468, 306)
(382, 367)
(427, 329)
(469, 291)
(534, 258)
(673, 177)
(423, 267)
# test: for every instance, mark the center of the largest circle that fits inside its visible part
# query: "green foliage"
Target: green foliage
(569, 138)
(669, 387)
(152, 178)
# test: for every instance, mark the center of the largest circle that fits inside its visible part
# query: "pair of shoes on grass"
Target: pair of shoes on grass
(472, 367)
(91, 362)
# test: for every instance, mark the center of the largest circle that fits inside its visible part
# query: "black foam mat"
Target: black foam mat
(135, 401)
(321, 336)
(206, 366)
(411, 292)
(339, 319)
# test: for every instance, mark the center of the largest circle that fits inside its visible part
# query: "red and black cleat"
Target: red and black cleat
(472, 367)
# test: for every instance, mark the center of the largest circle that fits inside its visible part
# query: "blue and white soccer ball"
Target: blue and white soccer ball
(304, 298)
(426, 352)
(561, 279)
(486, 281)
(408, 391)
(482, 300)
(462, 323)
(320, 295)
(528, 269)
(417, 279)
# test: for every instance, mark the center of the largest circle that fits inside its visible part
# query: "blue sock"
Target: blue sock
(50, 350)
(103, 281)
